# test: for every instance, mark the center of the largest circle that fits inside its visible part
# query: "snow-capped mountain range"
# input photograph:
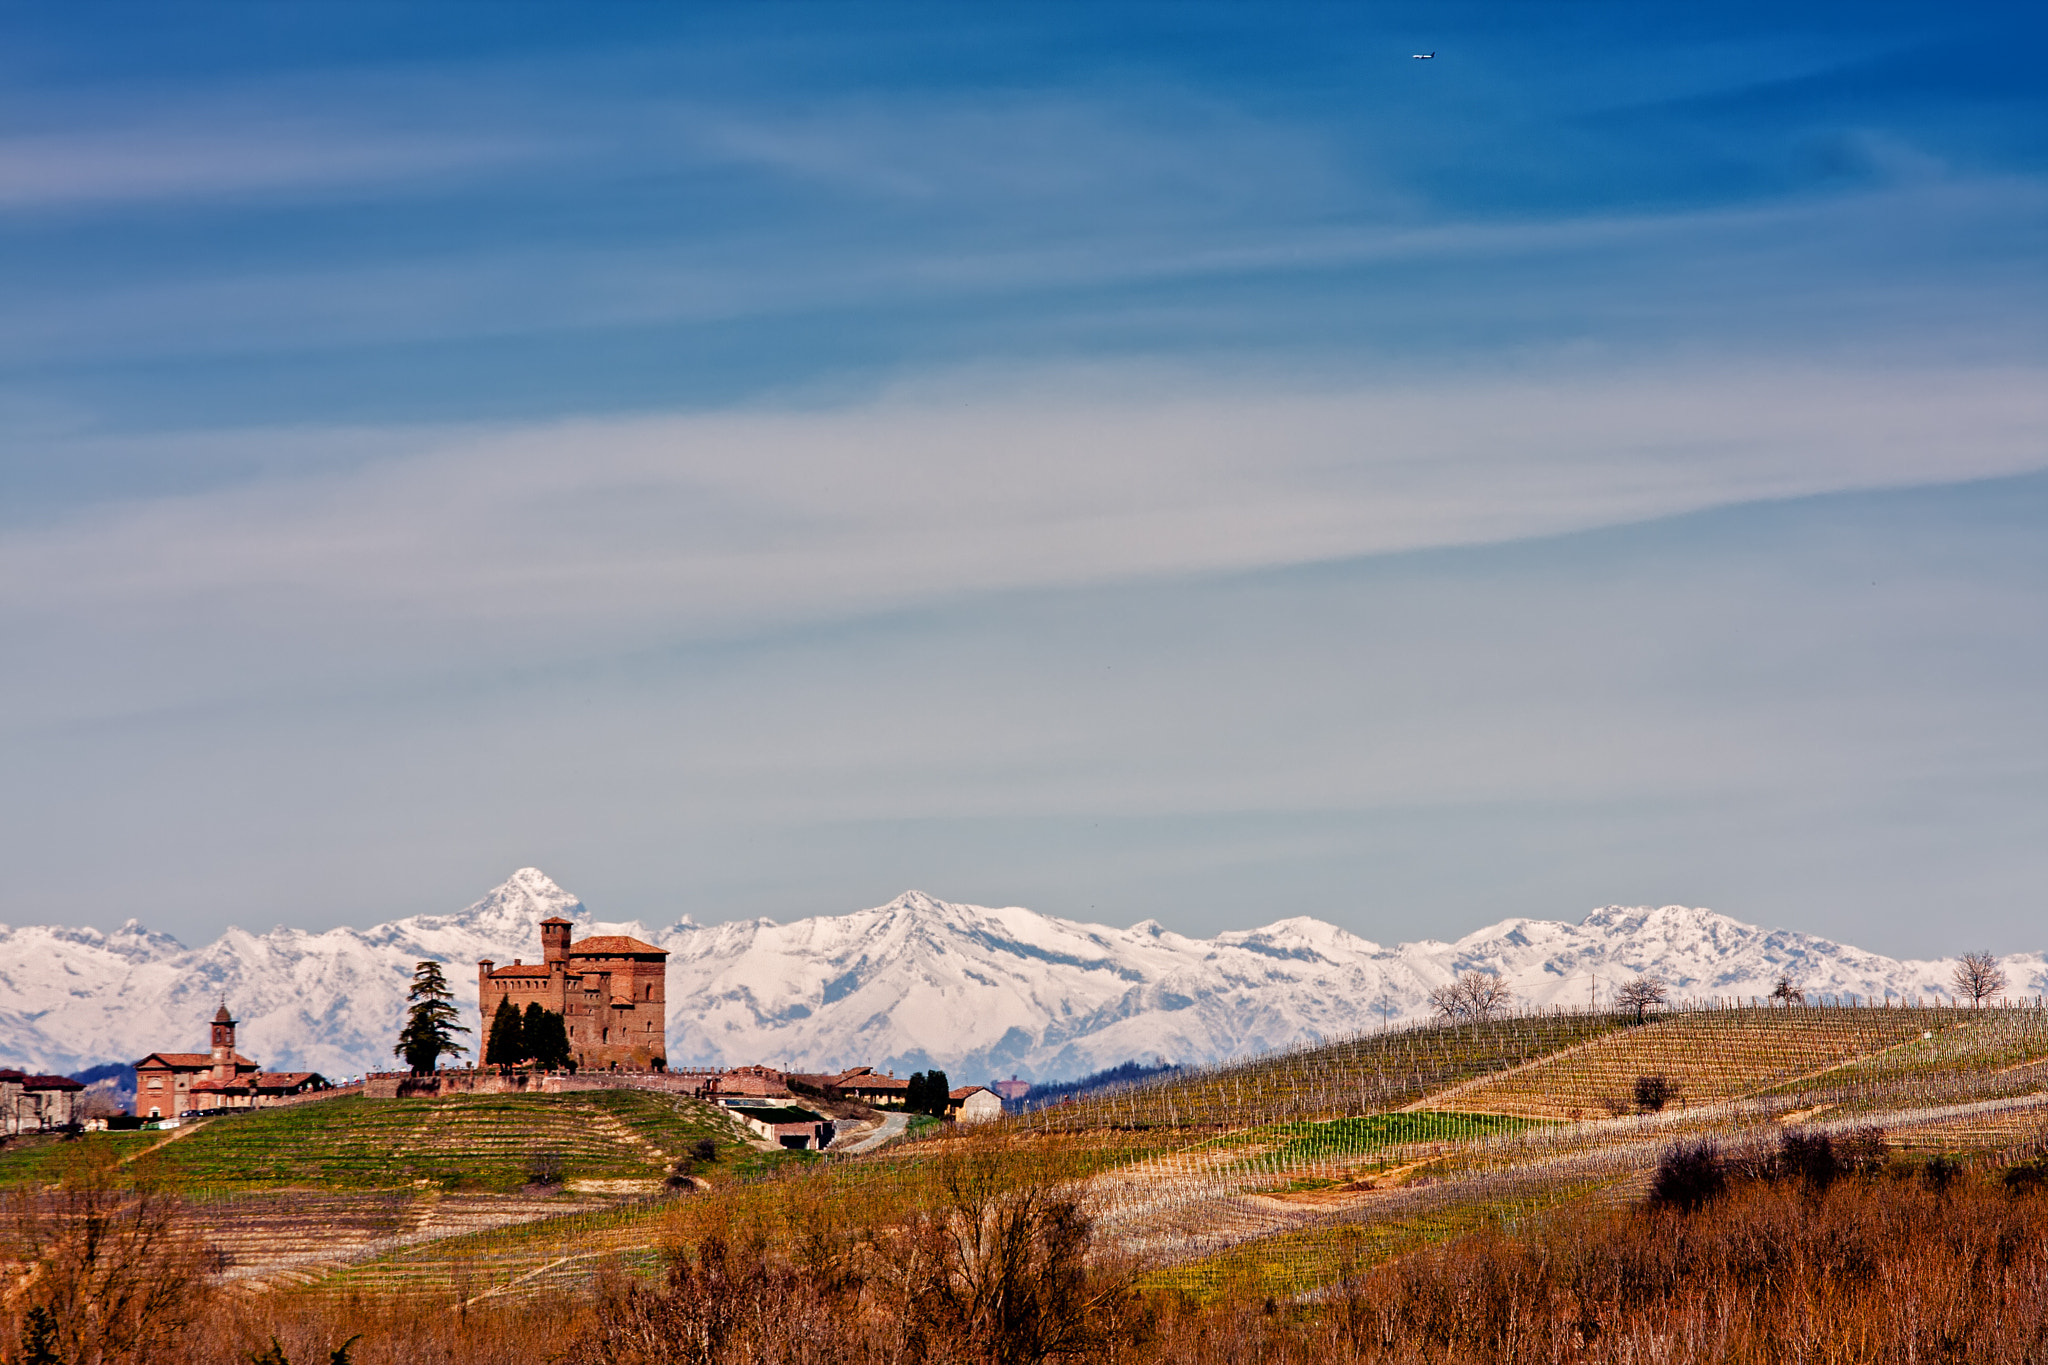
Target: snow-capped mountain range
(908, 985)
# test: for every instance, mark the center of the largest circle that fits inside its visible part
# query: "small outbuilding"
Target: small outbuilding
(974, 1104)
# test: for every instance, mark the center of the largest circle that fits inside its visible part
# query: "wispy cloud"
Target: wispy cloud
(595, 533)
(107, 167)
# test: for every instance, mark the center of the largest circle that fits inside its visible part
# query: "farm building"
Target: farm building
(869, 1086)
(610, 990)
(37, 1104)
(974, 1104)
(790, 1126)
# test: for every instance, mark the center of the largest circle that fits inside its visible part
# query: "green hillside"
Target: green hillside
(484, 1143)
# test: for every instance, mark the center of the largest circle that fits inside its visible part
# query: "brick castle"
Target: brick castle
(610, 990)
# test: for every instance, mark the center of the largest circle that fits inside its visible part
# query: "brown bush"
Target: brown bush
(1857, 1271)
(99, 1273)
(996, 1271)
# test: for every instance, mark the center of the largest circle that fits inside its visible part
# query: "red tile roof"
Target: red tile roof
(283, 1080)
(525, 969)
(964, 1091)
(612, 944)
(51, 1083)
(870, 1081)
(193, 1061)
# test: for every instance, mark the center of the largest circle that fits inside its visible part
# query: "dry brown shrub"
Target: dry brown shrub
(987, 1264)
(99, 1272)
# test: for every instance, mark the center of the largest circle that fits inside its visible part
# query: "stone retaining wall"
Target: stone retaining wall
(403, 1085)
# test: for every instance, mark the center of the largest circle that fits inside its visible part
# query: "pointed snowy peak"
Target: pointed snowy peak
(530, 890)
(919, 904)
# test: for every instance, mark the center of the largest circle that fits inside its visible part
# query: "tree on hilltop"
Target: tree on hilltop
(1979, 977)
(1475, 995)
(430, 1021)
(506, 1044)
(1641, 994)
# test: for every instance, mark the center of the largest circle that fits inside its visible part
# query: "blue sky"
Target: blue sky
(1182, 461)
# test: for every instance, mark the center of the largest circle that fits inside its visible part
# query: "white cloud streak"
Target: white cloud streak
(473, 545)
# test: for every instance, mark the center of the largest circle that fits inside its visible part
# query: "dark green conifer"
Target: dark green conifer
(506, 1045)
(430, 1021)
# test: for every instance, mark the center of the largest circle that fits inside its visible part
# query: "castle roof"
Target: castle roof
(524, 969)
(612, 944)
(556, 919)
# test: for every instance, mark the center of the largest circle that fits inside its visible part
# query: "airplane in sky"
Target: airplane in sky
(1424, 56)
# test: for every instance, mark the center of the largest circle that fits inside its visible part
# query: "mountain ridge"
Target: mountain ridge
(914, 983)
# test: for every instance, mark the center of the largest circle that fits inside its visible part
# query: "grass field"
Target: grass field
(482, 1143)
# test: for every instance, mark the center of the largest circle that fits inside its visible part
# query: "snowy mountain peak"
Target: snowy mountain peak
(918, 905)
(527, 892)
(915, 983)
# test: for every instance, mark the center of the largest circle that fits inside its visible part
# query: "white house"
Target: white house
(974, 1104)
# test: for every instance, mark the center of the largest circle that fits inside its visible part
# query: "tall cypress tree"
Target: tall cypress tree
(547, 1037)
(430, 1021)
(938, 1093)
(506, 1045)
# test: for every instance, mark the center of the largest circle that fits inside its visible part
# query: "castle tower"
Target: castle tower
(223, 1045)
(554, 940)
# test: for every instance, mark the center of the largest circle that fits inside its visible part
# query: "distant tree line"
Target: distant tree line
(1123, 1073)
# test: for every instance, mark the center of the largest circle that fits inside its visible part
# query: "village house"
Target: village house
(746, 1083)
(974, 1104)
(611, 991)
(171, 1084)
(871, 1087)
(37, 1104)
(785, 1124)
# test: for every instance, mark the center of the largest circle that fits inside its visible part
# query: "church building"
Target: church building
(611, 991)
(169, 1084)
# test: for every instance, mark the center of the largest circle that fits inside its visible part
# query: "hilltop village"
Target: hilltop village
(588, 1015)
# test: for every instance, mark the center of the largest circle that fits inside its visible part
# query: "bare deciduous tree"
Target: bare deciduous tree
(1447, 1001)
(1475, 995)
(1979, 977)
(1485, 994)
(1640, 994)
(1788, 991)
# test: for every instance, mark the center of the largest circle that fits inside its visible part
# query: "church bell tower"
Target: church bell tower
(223, 1044)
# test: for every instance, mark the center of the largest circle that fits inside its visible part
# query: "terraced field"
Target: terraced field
(1369, 1074)
(475, 1142)
(482, 1143)
(1706, 1057)
(527, 1257)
